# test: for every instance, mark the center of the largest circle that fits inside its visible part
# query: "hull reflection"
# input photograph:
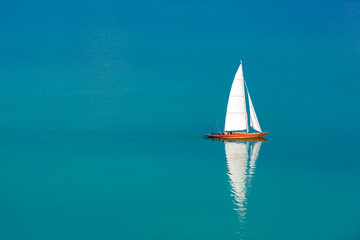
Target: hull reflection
(241, 159)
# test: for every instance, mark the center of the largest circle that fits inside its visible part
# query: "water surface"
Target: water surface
(103, 105)
(102, 186)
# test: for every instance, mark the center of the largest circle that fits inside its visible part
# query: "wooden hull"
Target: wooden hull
(255, 139)
(237, 135)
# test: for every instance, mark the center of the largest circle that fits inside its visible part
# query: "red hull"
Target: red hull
(237, 135)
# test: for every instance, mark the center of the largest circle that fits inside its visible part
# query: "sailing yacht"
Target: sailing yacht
(236, 122)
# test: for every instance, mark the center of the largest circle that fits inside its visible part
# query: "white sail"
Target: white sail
(236, 116)
(254, 123)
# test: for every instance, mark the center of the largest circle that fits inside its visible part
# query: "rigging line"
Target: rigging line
(247, 89)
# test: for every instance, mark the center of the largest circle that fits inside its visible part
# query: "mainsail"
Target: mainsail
(236, 116)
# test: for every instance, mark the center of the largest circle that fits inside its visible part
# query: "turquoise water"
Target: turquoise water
(103, 105)
(112, 186)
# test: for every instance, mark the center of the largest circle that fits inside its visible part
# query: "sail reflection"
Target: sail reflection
(241, 168)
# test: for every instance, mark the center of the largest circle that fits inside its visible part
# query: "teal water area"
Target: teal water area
(103, 105)
(110, 186)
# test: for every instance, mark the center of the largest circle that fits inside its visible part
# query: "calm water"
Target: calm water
(109, 186)
(103, 105)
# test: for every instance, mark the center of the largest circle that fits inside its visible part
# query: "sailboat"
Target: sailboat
(236, 122)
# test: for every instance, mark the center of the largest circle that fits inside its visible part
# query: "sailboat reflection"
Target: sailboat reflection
(241, 170)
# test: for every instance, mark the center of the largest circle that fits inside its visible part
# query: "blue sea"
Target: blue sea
(103, 107)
